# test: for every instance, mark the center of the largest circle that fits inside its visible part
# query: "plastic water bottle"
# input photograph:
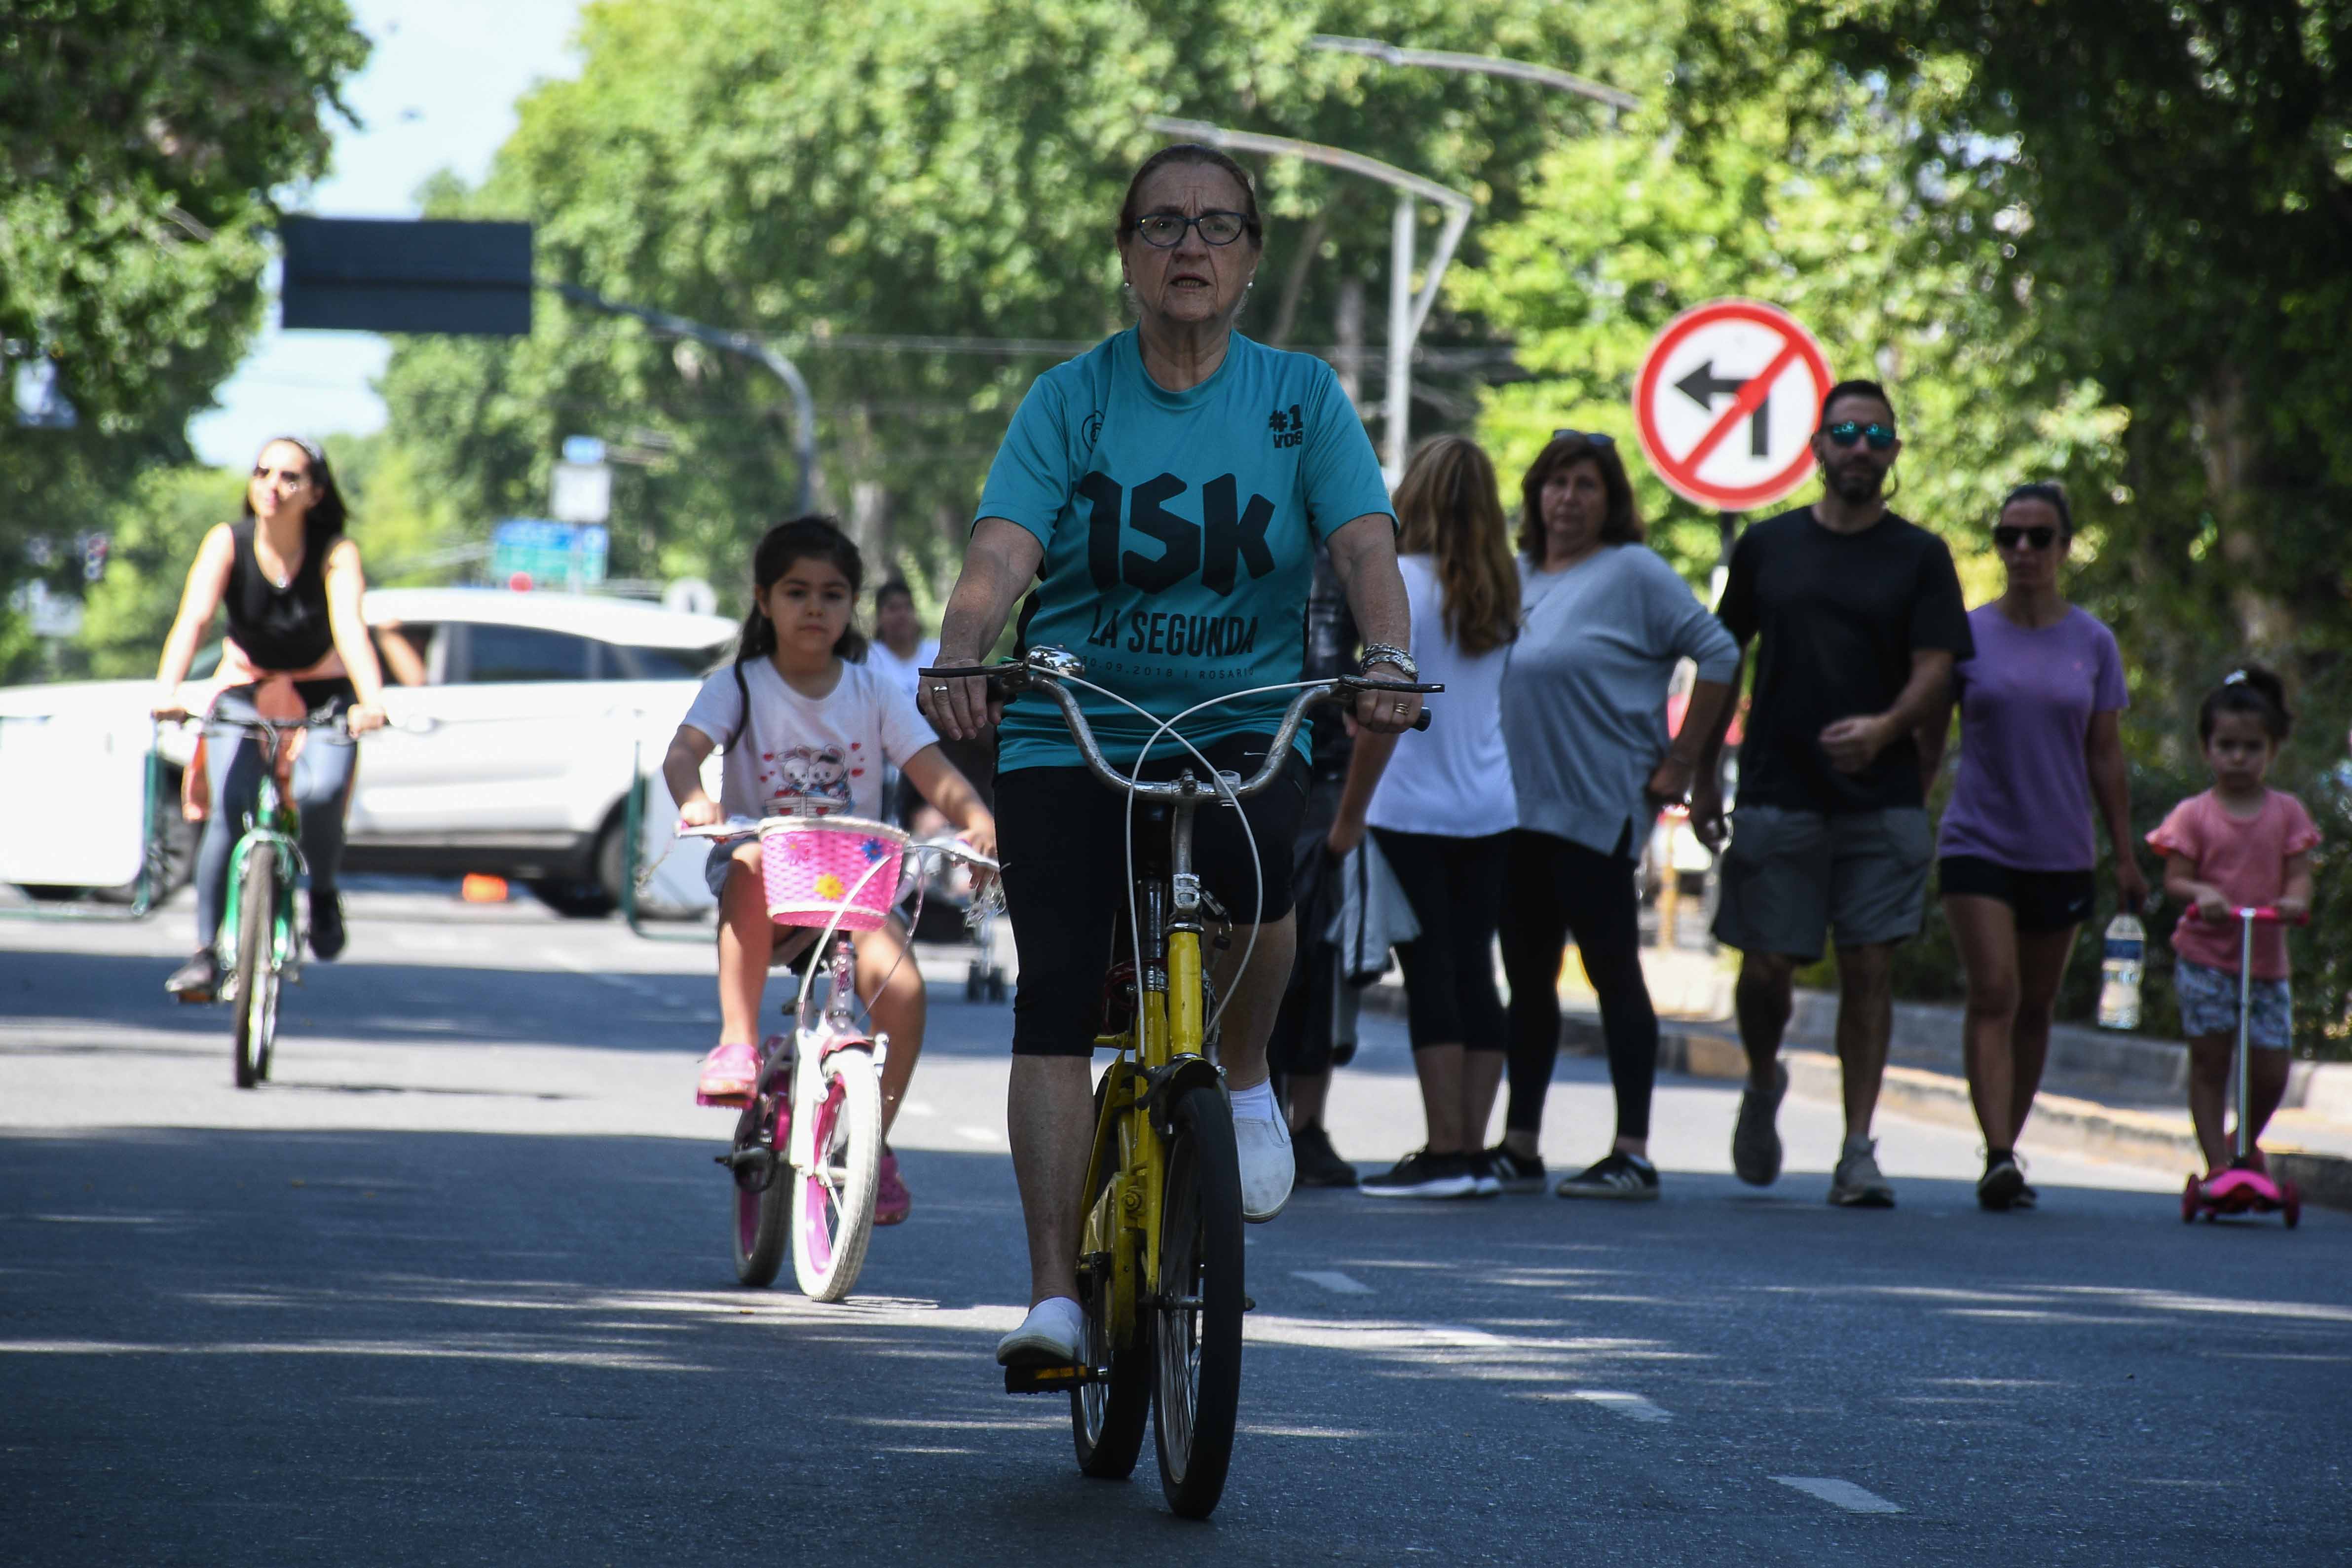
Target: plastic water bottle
(2119, 970)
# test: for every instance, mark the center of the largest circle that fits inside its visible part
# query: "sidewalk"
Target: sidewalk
(2121, 1096)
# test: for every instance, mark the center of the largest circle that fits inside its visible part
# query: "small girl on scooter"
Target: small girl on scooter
(807, 725)
(2240, 844)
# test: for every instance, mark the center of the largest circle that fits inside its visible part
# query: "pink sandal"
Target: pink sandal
(729, 1073)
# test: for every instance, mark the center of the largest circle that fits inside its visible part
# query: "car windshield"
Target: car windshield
(667, 663)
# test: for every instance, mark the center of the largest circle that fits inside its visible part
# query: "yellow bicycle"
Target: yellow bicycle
(1160, 1259)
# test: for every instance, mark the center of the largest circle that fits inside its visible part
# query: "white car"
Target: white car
(520, 719)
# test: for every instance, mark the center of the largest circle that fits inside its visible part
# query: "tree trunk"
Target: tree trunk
(1294, 282)
(870, 527)
(1350, 328)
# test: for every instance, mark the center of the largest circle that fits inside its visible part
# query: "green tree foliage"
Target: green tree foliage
(1792, 189)
(2178, 202)
(139, 141)
(876, 189)
(1958, 224)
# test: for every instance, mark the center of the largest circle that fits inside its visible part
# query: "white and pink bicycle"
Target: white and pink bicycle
(807, 1151)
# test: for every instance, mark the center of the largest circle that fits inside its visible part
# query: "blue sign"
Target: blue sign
(546, 554)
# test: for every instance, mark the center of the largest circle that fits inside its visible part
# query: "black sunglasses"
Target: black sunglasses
(1847, 432)
(2008, 536)
(1595, 436)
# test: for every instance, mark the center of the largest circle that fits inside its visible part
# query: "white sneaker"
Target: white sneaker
(1267, 1168)
(1049, 1336)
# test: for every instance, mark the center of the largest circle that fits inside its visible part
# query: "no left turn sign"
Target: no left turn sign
(1727, 401)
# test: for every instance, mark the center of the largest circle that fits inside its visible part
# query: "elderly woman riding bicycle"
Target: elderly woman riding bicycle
(1165, 492)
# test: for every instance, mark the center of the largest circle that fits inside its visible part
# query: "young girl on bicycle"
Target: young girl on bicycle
(2238, 844)
(807, 725)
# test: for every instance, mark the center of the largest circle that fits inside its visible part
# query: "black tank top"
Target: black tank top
(278, 628)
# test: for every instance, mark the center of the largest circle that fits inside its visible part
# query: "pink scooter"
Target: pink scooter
(2245, 1187)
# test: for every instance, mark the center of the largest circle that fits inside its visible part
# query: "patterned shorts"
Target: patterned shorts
(2208, 1006)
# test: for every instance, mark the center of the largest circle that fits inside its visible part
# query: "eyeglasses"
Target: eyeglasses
(1847, 432)
(1597, 438)
(2008, 537)
(1165, 231)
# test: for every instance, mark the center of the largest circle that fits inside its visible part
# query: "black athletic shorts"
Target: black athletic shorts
(1059, 834)
(2041, 900)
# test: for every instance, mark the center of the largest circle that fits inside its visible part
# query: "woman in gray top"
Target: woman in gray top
(1584, 713)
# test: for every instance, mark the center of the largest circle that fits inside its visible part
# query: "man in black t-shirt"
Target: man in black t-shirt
(1858, 617)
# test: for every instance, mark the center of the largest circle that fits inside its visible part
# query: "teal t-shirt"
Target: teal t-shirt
(1179, 532)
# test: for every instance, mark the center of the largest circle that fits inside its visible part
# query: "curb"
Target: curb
(1708, 1050)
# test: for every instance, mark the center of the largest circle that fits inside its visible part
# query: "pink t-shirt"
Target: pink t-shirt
(2246, 858)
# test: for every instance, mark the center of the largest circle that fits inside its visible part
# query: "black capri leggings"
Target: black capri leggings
(1553, 887)
(1455, 888)
(1062, 836)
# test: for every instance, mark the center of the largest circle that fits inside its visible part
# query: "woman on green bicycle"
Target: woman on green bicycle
(290, 582)
(1165, 492)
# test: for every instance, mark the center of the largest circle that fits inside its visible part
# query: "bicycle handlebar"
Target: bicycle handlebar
(2262, 915)
(955, 848)
(1044, 668)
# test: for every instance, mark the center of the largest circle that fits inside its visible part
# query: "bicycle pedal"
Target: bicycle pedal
(1047, 1379)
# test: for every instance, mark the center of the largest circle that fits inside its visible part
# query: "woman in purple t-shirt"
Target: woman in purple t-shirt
(2038, 740)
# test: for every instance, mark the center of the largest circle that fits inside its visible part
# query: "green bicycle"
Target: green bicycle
(259, 944)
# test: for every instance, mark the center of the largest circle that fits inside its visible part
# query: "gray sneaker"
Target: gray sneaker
(1756, 1142)
(1858, 1184)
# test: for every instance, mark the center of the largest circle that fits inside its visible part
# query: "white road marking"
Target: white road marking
(982, 1135)
(1468, 1338)
(1839, 1494)
(1632, 1406)
(1331, 1279)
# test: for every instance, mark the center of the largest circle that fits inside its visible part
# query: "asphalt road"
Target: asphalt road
(455, 1289)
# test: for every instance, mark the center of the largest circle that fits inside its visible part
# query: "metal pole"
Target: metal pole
(1482, 65)
(1726, 527)
(750, 347)
(1401, 336)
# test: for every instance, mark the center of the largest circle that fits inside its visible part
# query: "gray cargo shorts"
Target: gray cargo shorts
(1790, 876)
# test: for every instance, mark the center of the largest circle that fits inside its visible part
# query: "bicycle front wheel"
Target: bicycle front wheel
(257, 965)
(833, 1205)
(1197, 1306)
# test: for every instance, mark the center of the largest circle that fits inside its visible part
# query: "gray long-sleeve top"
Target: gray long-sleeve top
(1584, 697)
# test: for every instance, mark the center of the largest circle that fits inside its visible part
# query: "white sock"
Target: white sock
(1255, 1103)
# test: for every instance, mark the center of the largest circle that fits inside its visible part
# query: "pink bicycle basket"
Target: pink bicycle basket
(814, 867)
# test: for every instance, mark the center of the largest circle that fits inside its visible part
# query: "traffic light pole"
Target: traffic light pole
(745, 344)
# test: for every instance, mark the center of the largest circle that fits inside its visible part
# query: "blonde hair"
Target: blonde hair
(1449, 507)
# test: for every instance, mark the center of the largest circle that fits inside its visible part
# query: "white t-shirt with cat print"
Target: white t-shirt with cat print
(832, 748)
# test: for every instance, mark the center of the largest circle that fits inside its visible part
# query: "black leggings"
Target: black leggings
(1554, 888)
(322, 774)
(1455, 888)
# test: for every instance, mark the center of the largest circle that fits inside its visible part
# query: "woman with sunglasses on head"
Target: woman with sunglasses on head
(290, 582)
(2040, 703)
(1584, 705)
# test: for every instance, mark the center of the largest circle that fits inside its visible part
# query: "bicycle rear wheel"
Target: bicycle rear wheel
(1196, 1330)
(760, 1213)
(1106, 1418)
(257, 966)
(832, 1206)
